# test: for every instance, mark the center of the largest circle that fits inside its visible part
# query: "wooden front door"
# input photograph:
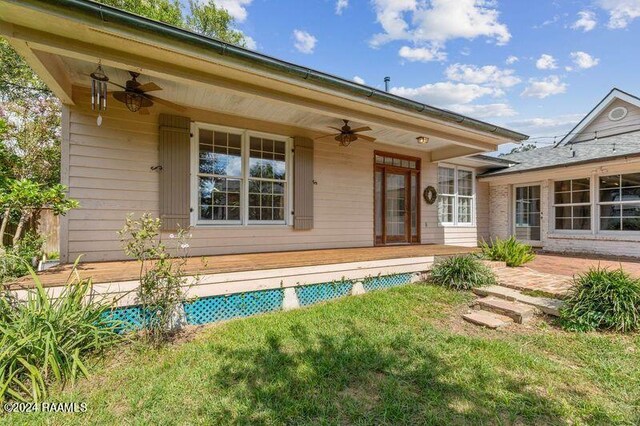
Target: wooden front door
(396, 193)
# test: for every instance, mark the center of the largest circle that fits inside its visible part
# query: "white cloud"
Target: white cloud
(511, 60)
(430, 25)
(250, 42)
(358, 79)
(544, 126)
(584, 60)
(447, 93)
(483, 111)
(546, 62)
(304, 41)
(621, 12)
(341, 5)
(541, 88)
(422, 54)
(236, 8)
(489, 75)
(586, 21)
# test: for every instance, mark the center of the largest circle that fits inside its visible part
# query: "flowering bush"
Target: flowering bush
(162, 277)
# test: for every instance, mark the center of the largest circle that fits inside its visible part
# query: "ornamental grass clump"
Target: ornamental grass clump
(45, 340)
(462, 273)
(511, 251)
(602, 299)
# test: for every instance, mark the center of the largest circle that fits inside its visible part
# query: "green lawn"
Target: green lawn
(402, 356)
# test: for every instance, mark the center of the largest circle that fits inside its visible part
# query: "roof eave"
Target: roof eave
(91, 12)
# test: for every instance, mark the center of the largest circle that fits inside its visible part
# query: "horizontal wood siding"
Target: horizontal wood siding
(605, 127)
(110, 175)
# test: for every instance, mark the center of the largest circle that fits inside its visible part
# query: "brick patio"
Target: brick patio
(552, 272)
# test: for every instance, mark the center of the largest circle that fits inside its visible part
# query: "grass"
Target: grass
(402, 356)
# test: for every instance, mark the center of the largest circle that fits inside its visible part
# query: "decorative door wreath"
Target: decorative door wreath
(430, 194)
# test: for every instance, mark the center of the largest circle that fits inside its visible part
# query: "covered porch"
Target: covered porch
(255, 264)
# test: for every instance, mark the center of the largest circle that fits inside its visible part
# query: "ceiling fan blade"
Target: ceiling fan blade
(361, 129)
(367, 138)
(116, 84)
(335, 128)
(149, 87)
(166, 103)
(144, 111)
(325, 136)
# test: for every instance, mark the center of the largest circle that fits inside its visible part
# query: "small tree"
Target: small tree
(27, 199)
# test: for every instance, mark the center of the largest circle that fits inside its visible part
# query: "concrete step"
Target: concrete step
(545, 304)
(519, 312)
(487, 319)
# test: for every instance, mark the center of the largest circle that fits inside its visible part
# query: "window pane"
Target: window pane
(266, 200)
(631, 223)
(632, 179)
(563, 186)
(582, 223)
(464, 210)
(563, 198)
(631, 194)
(582, 211)
(610, 224)
(465, 183)
(219, 198)
(219, 153)
(563, 212)
(612, 210)
(581, 197)
(446, 183)
(608, 195)
(445, 208)
(267, 159)
(610, 181)
(581, 184)
(563, 223)
(631, 210)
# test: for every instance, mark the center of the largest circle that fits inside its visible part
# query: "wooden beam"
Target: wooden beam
(48, 67)
(187, 75)
(452, 152)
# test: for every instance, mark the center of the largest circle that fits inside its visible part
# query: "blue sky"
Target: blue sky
(537, 67)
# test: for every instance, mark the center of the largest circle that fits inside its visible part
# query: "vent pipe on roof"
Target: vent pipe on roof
(386, 83)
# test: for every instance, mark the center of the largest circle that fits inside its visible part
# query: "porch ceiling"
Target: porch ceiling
(217, 99)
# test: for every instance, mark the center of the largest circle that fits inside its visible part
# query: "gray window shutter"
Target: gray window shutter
(303, 183)
(175, 140)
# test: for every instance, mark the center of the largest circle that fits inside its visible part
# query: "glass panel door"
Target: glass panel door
(396, 218)
(527, 213)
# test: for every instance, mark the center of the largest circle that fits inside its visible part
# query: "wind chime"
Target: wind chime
(99, 91)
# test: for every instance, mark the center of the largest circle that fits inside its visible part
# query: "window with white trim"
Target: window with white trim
(456, 196)
(619, 202)
(572, 204)
(242, 177)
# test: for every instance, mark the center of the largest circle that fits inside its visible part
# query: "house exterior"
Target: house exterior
(581, 194)
(237, 145)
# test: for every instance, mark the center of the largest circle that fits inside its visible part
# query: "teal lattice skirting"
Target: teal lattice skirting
(211, 309)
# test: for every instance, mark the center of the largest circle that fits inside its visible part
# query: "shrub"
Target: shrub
(511, 251)
(162, 277)
(602, 299)
(44, 340)
(14, 261)
(462, 273)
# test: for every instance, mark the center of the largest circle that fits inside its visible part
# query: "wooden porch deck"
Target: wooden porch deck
(109, 272)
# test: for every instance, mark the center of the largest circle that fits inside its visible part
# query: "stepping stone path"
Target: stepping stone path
(505, 304)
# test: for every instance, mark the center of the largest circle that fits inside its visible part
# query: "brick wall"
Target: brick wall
(499, 211)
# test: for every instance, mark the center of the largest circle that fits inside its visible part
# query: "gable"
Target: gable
(605, 126)
(598, 122)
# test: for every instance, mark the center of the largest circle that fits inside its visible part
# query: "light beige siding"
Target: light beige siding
(605, 127)
(110, 174)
